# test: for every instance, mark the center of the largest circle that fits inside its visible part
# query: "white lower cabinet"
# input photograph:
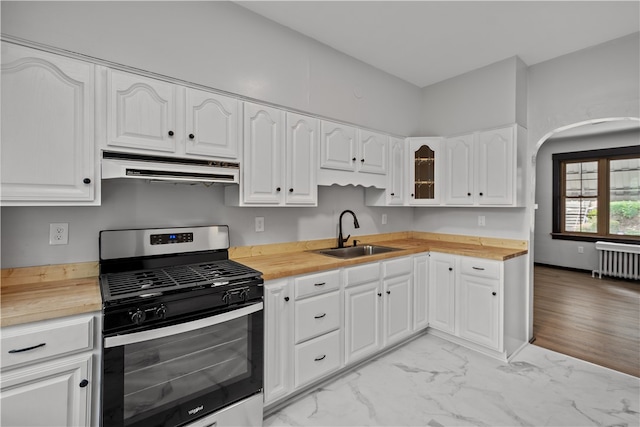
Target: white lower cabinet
(397, 304)
(317, 358)
(48, 372)
(479, 301)
(420, 291)
(278, 324)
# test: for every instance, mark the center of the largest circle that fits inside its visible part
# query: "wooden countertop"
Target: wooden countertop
(30, 294)
(278, 265)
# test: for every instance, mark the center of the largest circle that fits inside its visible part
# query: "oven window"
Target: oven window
(161, 371)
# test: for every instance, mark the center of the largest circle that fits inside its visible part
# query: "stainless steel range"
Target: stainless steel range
(182, 332)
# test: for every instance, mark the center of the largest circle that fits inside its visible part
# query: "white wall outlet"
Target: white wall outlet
(259, 224)
(59, 233)
(384, 219)
(481, 221)
(580, 249)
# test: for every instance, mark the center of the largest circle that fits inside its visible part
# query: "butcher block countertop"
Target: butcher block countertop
(30, 294)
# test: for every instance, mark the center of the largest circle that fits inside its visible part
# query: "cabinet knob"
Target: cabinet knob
(87, 181)
(468, 194)
(450, 268)
(481, 194)
(388, 292)
(379, 294)
(191, 136)
(286, 298)
(354, 159)
(291, 190)
(393, 194)
(411, 194)
(170, 133)
(83, 383)
(493, 293)
(278, 189)
(362, 160)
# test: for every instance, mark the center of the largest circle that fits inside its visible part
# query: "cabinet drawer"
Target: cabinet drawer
(397, 267)
(362, 274)
(24, 344)
(480, 267)
(317, 358)
(316, 316)
(314, 284)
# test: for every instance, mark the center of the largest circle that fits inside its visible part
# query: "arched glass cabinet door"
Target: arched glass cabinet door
(424, 161)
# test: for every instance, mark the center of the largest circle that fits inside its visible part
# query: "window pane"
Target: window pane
(624, 197)
(581, 216)
(581, 179)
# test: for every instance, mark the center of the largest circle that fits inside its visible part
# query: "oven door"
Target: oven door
(175, 374)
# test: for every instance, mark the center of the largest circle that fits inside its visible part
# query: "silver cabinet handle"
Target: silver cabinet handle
(317, 359)
(320, 316)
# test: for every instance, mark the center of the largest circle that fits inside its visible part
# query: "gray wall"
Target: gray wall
(565, 252)
(136, 203)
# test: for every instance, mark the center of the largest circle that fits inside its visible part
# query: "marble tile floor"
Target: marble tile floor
(432, 382)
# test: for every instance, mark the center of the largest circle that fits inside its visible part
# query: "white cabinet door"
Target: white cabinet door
(479, 303)
(395, 179)
(337, 146)
(442, 292)
(141, 112)
(302, 160)
(48, 394)
(420, 292)
(495, 159)
(47, 128)
(459, 170)
(425, 177)
(362, 321)
(263, 144)
(212, 124)
(397, 309)
(373, 152)
(278, 315)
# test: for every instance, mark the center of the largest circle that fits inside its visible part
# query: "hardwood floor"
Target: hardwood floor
(597, 320)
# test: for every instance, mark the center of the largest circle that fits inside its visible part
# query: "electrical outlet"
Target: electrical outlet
(481, 221)
(59, 233)
(580, 249)
(384, 219)
(259, 224)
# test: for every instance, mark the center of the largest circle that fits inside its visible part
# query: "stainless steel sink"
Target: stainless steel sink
(356, 251)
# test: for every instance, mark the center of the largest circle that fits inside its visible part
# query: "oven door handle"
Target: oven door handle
(180, 328)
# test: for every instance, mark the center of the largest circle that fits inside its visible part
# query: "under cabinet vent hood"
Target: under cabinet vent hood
(157, 168)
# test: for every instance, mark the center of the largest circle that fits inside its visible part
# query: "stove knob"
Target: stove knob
(138, 316)
(161, 312)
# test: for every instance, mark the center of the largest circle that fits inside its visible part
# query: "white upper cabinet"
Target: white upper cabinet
(395, 179)
(481, 167)
(373, 152)
(496, 163)
(262, 163)
(338, 147)
(302, 160)
(459, 169)
(146, 115)
(48, 155)
(425, 171)
(212, 124)
(141, 112)
(352, 156)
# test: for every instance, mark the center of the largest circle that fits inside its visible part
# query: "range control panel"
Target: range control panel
(168, 238)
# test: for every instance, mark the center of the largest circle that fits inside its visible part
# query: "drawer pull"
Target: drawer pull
(317, 359)
(20, 350)
(320, 316)
(478, 268)
(319, 284)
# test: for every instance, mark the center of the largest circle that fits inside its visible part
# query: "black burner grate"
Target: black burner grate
(116, 286)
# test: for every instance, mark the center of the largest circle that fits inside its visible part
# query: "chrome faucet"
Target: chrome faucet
(342, 241)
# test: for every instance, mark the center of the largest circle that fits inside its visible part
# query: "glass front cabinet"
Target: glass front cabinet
(425, 164)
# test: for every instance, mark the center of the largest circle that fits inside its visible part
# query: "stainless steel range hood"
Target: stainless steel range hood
(171, 169)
